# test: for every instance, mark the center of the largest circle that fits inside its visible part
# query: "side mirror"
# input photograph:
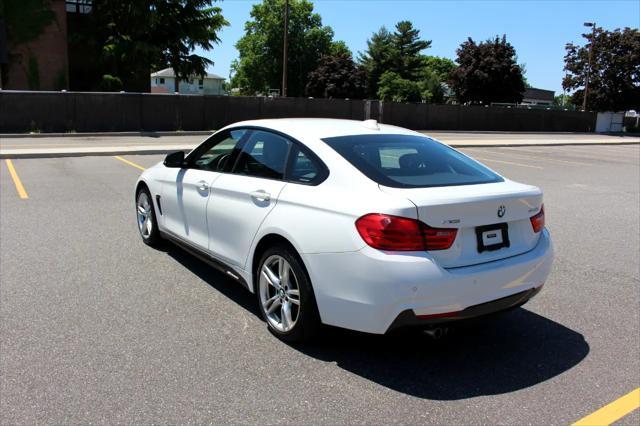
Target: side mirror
(175, 159)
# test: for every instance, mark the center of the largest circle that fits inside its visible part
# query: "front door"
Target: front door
(241, 200)
(185, 191)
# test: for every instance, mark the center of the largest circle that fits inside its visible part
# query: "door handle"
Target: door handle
(203, 186)
(260, 195)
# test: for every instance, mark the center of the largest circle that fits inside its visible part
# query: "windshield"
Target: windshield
(408, 161)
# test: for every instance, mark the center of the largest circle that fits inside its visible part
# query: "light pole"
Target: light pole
(284, 48)
(586, 83)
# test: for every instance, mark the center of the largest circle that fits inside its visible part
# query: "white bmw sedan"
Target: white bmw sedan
(353, 224)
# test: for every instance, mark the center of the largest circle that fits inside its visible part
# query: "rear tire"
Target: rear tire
(285, 295)
(146, 218)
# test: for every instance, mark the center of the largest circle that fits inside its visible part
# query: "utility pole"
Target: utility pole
(284, 48)
(586, 83)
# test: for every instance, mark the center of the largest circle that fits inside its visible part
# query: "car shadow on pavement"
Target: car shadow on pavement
(503, 354)
(216, 279)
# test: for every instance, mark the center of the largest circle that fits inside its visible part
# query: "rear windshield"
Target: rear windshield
(407, 161)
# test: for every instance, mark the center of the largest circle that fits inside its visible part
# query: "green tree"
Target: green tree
(614, 79)
(431, 86)
(259, 65)
(407, 47)
(337, 76)
(378, 58)
(441, 67)
(135, 36)
(487, 72)
(434, 75)
(563, 100)
(398, 52)
(392, 87)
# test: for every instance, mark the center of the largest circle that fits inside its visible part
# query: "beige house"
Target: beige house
(163, 81)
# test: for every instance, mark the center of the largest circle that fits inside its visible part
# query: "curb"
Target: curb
(165, 150)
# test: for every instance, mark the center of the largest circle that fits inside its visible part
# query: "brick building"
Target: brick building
(42, 63)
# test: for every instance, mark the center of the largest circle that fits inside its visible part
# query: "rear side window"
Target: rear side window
(263, 155)
(302, 169)
(407, 161)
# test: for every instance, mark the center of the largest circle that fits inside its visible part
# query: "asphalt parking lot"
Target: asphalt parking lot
(98, 328)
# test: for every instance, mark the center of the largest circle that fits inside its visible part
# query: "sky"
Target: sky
(537, 29)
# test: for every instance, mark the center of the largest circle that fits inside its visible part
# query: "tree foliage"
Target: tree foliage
(441, 67)
(397, 52)
(259, 66)
(135, 36)
(392, 87)
(487, 72)
(377, 59)
(614, 80)
(337, 76)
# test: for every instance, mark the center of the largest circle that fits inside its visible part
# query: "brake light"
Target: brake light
(394, 233)
(537, 221)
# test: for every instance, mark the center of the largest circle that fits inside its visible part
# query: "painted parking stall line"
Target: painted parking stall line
(131, 163)
(533, 157)
(613, 411)
(22, 193)
(490, 160)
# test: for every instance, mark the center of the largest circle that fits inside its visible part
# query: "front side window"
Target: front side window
(263, 155)
(216, 155)
(408, 161)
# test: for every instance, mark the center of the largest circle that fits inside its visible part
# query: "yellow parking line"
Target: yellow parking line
(131, 163)
(614, 411)
(16, 180)
(507, 162)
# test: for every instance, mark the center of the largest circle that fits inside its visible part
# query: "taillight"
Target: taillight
(394, 233)
(537, 221)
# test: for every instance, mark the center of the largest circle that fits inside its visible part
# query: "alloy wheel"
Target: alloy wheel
(145, 218)
(279, 293)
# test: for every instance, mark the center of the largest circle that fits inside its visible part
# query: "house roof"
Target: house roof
(542, 94)
(168, 72)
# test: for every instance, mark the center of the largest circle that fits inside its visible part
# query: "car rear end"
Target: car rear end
(476, 245)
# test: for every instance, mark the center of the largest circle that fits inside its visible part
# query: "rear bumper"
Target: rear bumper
(370, 290)
(409, 319)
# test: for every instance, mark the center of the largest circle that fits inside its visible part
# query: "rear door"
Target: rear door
(241, 200)
(185, 192)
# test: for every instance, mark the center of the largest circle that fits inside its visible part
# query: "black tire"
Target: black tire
(153, 239)
(307, 324)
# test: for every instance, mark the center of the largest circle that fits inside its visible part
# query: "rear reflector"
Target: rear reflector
(537, 221)
(394, 233)
(441, 315)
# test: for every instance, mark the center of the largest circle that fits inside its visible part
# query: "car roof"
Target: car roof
(321, 128)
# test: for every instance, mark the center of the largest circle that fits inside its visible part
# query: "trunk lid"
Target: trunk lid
(479, 213)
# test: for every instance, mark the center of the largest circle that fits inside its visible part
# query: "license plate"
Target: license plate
(492, 237)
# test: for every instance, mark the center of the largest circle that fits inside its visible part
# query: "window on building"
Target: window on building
(200, 83)
(79, 6)
(162, 81)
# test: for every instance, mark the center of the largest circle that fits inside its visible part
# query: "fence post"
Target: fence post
(380, 111)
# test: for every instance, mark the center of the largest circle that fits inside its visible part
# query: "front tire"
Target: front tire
(285, 296)
(146, 218)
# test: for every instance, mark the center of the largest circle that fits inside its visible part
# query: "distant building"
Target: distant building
(533, 96)
(163, 81)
